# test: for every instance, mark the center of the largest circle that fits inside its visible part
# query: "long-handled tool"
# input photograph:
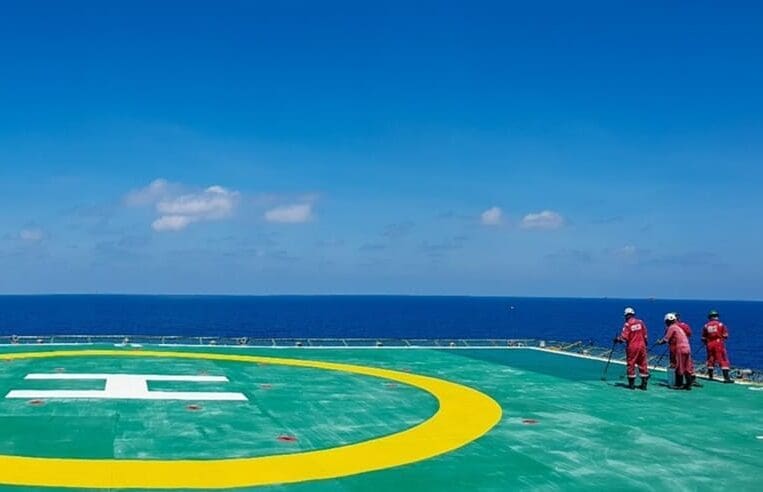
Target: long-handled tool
(696, 352)
(609, 359)
(656, 364)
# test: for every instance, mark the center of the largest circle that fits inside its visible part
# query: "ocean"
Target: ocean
(563, 319)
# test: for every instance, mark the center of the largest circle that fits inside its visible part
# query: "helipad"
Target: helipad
(360, 420)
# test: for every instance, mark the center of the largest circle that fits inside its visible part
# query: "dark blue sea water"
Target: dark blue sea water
(371, 317)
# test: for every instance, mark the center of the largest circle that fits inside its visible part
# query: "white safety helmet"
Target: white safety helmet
(629, 311)
(670, 317)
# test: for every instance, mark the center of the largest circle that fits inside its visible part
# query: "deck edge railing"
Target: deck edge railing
(657, 359)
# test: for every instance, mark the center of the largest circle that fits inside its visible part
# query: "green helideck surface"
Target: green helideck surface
(589, 434)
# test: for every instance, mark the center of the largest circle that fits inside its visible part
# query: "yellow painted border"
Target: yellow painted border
(464, 415)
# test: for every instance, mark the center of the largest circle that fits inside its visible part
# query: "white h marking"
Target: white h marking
(127, 387)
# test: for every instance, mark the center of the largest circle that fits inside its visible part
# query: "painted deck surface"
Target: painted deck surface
(562, 427)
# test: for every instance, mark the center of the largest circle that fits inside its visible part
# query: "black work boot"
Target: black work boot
(687, 382)
(644, 382)
(710, 374)
(726, 377)
(631, 382)
(679, 381)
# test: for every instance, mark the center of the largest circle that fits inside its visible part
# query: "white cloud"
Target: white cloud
(177, 211)
(546, 219)
(171, 223)
(178, 206)
(492, 216)
(214, 203)
(32, 234)
(630, 254)
(155, 191)
(297, 213)
(627, 251)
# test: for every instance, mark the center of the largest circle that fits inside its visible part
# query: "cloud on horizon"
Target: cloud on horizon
(628, 254)
(545, 220)
(32, 234)
(296, 213)
(492, 216)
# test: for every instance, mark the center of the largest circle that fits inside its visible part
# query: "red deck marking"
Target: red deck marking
(193, 408)
(286, 438)
(36, 403)
(529, 421)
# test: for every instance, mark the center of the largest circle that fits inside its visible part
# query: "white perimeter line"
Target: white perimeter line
(148, 377)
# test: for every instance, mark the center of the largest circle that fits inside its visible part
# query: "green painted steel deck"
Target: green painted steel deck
(562, 427)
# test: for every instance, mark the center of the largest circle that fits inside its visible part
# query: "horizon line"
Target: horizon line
(476, 296)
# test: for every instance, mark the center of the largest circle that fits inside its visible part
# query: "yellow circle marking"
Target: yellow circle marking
(464, 415)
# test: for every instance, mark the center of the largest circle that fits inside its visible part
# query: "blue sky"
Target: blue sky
(484, 148)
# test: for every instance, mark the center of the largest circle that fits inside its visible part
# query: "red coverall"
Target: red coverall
(680, 350)
(687, 330)
(634, 335)
(714, 334)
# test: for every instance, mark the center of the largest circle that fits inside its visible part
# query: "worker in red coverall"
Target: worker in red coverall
(714, 336)
(634, 335)
(687, 331)
(680, 350)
